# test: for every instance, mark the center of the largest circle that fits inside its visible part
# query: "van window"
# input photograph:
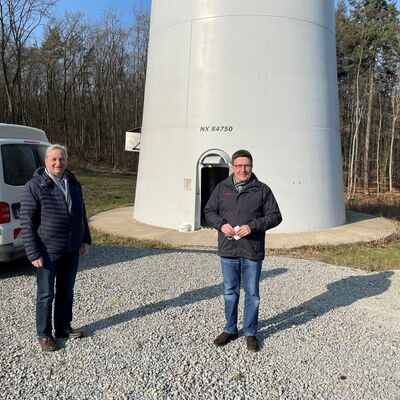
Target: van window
(20, 162)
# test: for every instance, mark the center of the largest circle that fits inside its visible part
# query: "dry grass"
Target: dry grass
(386, 205)
(378, 255)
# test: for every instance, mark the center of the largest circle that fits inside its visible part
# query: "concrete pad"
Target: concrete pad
(359, 228)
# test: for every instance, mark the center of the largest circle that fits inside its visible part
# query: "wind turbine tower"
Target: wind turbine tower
(224, 75)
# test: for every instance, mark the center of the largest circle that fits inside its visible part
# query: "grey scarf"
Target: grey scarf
(239, 185)
(62, 184)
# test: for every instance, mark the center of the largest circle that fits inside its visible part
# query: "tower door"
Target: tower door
(211, 175)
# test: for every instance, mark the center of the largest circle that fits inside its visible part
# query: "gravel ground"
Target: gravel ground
(151, 315)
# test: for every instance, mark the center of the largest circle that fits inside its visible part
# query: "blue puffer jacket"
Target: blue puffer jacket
(45, 220)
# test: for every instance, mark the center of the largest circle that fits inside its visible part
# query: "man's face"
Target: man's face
(56, 162)
(241, 168)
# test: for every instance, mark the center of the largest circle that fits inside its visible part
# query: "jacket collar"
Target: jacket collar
(47, 181)
(252, 182)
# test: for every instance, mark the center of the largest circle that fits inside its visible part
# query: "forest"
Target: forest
(368, 63)
(83, 83)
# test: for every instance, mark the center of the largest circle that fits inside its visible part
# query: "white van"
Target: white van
(22, 150)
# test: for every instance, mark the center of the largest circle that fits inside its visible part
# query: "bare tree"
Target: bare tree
(18, 20)
(395, 115)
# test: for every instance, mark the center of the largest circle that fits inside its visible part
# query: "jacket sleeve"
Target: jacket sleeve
(272, 216)
(211, 210)
(87, 238)
(30, 220)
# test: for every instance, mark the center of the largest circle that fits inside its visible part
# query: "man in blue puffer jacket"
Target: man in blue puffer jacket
(55, 232)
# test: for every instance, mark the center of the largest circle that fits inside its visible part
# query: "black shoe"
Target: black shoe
(47, 343)
(252, 344)
(224, 338)
(69, 334)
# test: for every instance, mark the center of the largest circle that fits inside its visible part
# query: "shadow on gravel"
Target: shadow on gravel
(16, 268)
(339, 294)
(99, 256)
(106, 256)
(182, 300)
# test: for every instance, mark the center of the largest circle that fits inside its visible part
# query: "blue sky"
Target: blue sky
(94, 9)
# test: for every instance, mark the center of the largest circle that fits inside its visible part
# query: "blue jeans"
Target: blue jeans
(233, 269)
(62, 269)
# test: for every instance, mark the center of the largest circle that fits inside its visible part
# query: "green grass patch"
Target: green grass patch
(366, 258)
(106, 239)
(381, 255)
(105, 191)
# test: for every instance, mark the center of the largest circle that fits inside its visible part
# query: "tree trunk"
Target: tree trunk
(354, 150)
(395, 115)
(368, 132)
(378, 145)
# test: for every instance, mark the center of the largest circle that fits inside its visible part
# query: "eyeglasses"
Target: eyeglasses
(240, 166)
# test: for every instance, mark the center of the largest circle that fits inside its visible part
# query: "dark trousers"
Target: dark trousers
(60, 269)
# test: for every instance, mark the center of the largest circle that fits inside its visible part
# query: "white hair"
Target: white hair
(57, 147)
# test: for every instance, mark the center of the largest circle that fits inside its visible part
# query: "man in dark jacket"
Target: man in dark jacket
(55, 232)
(242, 209)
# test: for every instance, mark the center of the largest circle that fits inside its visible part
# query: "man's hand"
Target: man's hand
(228, 230)
(84, 249)
(244, 230)
(38, 263)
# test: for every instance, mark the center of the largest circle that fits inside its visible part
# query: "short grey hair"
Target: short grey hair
(57, 147)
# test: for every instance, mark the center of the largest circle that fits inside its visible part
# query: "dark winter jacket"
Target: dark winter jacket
(45, 219)
(254, 206)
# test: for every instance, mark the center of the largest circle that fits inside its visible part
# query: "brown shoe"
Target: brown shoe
(224, 338)
(69, 334)
(252, 344)
(47, 343)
